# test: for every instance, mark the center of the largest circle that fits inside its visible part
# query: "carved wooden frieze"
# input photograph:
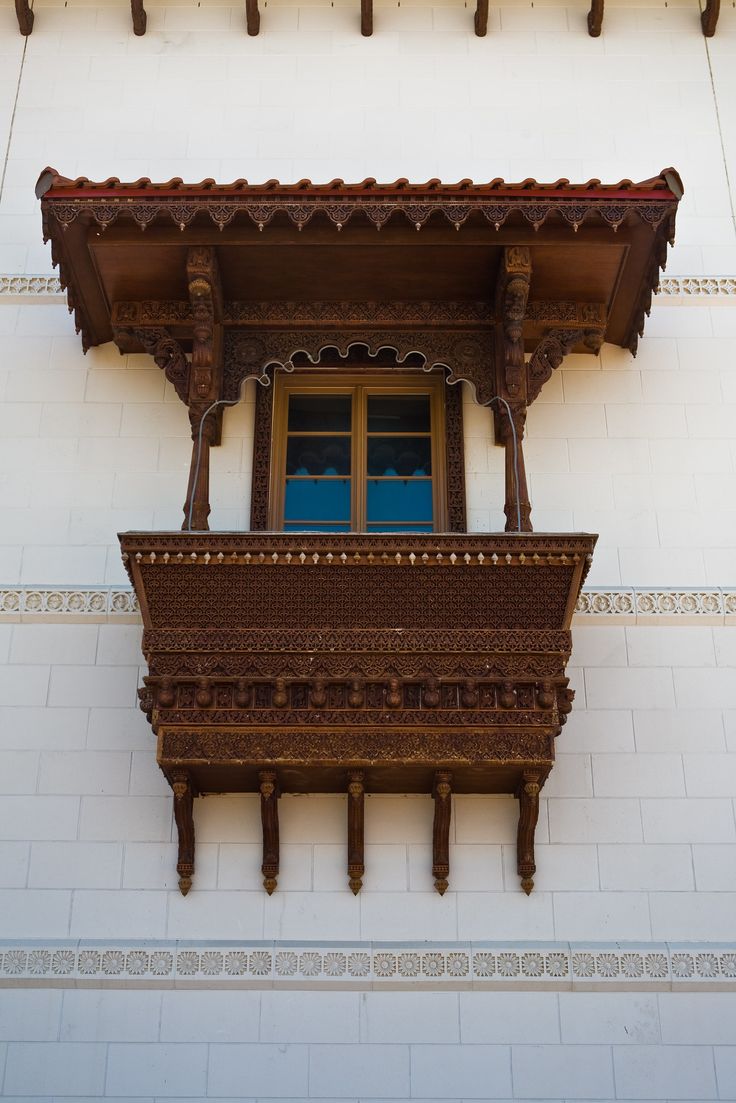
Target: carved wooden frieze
(356, 664)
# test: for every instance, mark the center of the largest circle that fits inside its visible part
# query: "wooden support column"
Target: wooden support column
(25, 16)
(442, 793)
(512, 295)
(205, 380)
(139, 16)
(270, 824)
(356, 830)
(528, 795)
(481, 18)
(252, 17)
(183, 815)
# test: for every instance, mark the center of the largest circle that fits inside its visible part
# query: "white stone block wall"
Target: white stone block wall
(617, 977)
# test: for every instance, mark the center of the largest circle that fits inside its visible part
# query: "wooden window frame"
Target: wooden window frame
(447, 439)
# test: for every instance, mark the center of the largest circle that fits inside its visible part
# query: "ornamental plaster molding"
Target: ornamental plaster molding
(38, 288)
(650, 966)
(629, 604)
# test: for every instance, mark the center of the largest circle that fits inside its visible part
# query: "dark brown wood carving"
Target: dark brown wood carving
(356, 813)
(183, 803)
(595, 18)
(481, 18)
(442, 793)
(140, 19)
(25, 16)
(528, 794)
(373, 663)
(366, 17)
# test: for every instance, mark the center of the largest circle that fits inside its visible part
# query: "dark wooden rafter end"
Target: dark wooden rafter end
(25, 16)
(140, 19)
(595, 18)
(481, 18)
(252, 17)
(709, 17)
(366, 18)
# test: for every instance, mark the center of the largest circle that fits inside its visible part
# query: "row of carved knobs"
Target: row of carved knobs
(243, 693)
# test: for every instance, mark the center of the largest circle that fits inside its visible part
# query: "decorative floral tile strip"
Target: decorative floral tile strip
(633, 966)
(696, 286)
(92, 602)
(40, 286)
(597, 603)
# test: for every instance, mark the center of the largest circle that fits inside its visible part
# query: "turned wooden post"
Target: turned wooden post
(183, 809)
(252, 17)
(528, 795)
(197, 504)
(481, 18)
(366, 17)
(442, 793)
(595, 18)
(709, 17)
(270, 824)
(356, 830)
(517, 507)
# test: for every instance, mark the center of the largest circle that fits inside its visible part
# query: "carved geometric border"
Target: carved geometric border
(629, 603)
(41, 286)
(563, 965)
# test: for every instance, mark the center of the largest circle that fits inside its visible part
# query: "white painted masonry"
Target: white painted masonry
(616, 979)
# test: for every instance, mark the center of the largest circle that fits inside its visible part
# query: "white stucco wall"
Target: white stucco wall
(636, 885)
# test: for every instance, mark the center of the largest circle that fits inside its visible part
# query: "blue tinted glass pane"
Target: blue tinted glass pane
(405, 456)
(318, 456)
(317, 500)
(399, 500)
(398, 413)
(400, 528)
(306, 527)
(319, 413)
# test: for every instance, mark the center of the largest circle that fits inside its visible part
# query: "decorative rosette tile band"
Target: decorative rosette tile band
(40, 287)
(633, 604)
(617, 966)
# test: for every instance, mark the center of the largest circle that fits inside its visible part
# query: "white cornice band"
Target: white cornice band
(560, 966)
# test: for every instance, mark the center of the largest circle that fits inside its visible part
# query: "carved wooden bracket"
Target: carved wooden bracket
(528, 795)
(25, 16)
(356, 830)
(512, 293)
(595, 18)
(183, 803)
(140, 19)
(556, 345)
(442, 794)
(709, 17)
(252, 17)
(270, 794)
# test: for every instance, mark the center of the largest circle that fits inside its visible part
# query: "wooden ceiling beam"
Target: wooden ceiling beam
(25, 16)
(140, 19)
(595, 18)
(252, 17)
(366, 18)
(709, 17)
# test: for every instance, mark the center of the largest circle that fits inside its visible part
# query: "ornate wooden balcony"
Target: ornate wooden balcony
(356, 663)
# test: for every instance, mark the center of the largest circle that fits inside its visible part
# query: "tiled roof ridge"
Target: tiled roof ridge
(666, 185)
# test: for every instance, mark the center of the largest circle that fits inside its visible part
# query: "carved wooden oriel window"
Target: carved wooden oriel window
(358, 453)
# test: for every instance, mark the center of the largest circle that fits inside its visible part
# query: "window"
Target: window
(359, 453)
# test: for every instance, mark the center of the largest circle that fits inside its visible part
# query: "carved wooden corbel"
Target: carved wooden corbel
(528, 815)
(547, 357)
(442, 794)
(183, 815)
(252, 17)
(140, 19)
(25, 16)
(165, 350)
(709, 17)
(595, 18)
(205, 379)
(268, 784)
(356, 830)
(512, 296)
(481, 18)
